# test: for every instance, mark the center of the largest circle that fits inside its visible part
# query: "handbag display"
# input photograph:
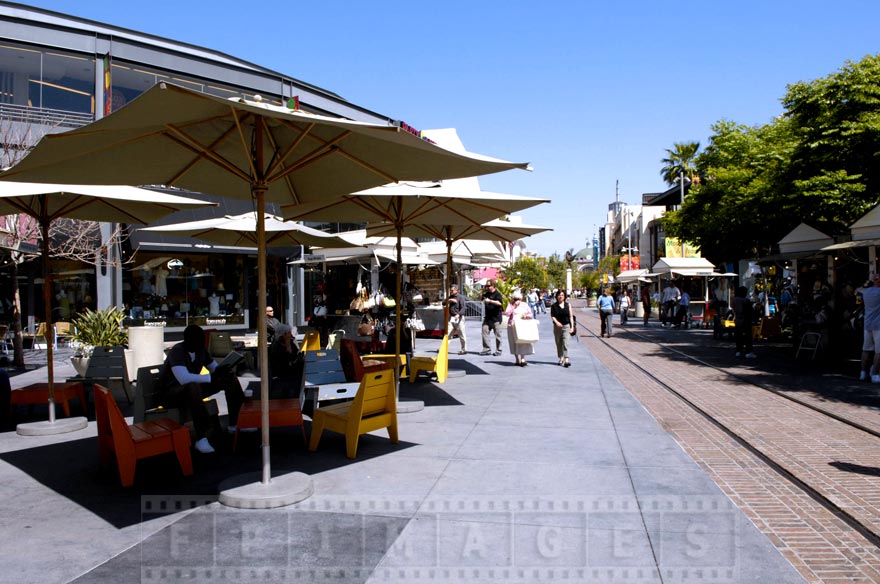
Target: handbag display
(525, 331)
(415, 323)
(389, 302)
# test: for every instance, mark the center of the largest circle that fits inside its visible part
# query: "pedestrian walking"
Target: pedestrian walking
(456, 302)
(624, 307)
(517, 309)
(683, 308)
(532, 298)
(563, 326)
(744, 314)
(871, 336)
(493, 303)
(605, 304)
(646, 303)
(670, 297)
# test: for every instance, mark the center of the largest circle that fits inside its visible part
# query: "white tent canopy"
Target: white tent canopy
(684, 267)
(804, 238)
(627, 276)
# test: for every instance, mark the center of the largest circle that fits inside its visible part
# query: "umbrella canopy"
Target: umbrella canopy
(175, 136)
(111, 203)
(243, 149)
(241, 230)
(412, 204)
(47, 202)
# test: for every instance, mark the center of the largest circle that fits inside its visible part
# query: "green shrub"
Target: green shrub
(102, 328)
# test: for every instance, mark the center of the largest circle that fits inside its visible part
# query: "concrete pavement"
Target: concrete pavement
(509, 474)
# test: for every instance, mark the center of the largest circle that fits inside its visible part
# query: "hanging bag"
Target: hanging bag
(367, 327)
(415, 323)
(525, 331)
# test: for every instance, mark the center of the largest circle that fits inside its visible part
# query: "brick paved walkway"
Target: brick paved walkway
(820, 545)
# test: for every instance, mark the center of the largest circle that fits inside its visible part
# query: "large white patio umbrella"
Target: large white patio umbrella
(241, 230)
(501, 229)
(410, 204)
(47, 202)
(244, 149)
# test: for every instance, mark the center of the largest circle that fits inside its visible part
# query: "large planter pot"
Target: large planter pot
(80, 364)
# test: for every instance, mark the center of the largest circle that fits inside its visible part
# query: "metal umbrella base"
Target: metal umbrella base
(47, 428)
(246, 491)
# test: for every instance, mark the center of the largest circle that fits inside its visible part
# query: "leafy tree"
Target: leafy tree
(526, 273)
(679, 159)
(817, 163)
(556, 268)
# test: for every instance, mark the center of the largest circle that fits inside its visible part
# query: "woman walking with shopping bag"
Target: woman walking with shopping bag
(521, 335)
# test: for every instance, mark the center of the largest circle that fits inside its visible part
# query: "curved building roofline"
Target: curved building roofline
(21, 17)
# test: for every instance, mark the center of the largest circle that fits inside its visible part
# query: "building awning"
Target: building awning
(782, 257)
(852, 244)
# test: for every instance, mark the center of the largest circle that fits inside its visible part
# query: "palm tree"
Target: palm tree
(680, 160)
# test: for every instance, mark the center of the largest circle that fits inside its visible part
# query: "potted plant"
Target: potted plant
(102, 328)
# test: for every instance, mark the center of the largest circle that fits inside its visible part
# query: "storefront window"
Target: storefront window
(47, 79)
(128, 80)
(184, 289)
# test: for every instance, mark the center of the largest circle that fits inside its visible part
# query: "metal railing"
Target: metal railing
(44, 116)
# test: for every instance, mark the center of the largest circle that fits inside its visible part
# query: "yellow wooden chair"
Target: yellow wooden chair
(34, 337)
(63, 332)
(374, 407)
(438, 364)
(311, 340)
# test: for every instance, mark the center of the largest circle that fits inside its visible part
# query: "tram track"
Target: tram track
(815, 486)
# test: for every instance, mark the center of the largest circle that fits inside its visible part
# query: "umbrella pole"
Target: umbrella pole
(397, 323)
(448, 278)
(260, 197)
(47, 309)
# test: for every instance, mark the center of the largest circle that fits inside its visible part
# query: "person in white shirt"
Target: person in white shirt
(624, 306)
(671, 296)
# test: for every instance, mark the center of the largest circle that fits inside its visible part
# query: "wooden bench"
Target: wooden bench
(128, 444)
(438, 365)
(374, 407)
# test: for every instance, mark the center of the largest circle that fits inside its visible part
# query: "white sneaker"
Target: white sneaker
(863, 376)
(203, 446)
(751, 356)
(875, 379)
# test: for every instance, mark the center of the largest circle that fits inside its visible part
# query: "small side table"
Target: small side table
(38, 393)
(282, 412)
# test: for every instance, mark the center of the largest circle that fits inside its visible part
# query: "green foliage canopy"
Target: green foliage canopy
(818, 163)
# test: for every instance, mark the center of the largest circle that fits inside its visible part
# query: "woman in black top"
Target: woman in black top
(563, 326)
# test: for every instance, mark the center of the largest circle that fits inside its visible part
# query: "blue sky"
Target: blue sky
(589, 92)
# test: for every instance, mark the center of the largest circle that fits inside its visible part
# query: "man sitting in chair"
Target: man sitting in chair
(282, 358)
(189, 375)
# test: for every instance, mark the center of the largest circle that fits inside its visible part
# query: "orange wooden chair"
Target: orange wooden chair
(131, 443)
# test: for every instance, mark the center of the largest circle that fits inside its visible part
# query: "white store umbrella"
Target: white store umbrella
(112, 203)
